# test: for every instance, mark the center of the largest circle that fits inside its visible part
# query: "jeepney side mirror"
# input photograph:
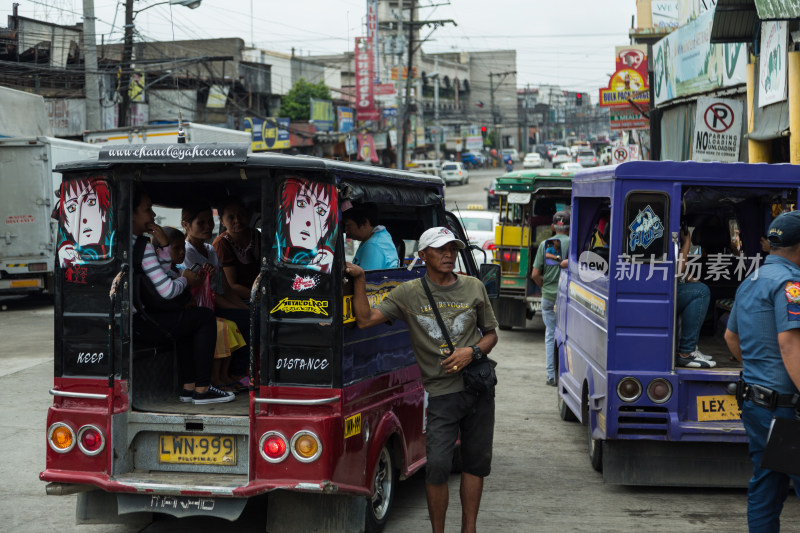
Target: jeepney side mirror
(490, 276)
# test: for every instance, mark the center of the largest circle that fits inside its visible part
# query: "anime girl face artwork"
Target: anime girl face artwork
(84, 209)
(307, 224)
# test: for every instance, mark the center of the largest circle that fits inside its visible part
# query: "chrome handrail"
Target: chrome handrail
(88, 395)
(284, 401)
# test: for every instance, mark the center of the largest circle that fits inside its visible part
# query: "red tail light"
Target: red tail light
(488, 245)
(91, 440)
(273, 447)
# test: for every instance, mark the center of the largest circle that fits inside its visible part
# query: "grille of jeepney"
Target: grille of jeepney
(642, 420)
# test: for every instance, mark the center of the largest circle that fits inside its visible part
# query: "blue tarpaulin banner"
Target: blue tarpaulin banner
(346, 116)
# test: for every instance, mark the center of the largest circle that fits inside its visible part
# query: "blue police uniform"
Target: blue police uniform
(767, 303)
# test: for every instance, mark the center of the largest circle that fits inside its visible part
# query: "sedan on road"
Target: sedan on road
(454, 173)
(561, 156)
(586, 157)
(532, 160)
(479, 226)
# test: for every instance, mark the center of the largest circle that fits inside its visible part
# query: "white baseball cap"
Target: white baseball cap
(438, 237)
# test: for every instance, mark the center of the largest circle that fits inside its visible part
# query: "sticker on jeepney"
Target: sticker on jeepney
(304, 283)
(645, 229)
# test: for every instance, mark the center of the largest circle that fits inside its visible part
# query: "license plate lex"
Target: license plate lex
(197, 450)
(714, 408)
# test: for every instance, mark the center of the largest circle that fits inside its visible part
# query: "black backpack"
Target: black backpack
(145, 295)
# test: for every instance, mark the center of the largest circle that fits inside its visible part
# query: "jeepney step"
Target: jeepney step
(175, 482)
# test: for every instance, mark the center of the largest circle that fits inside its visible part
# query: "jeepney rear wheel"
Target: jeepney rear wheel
(564, 412)
(595, 445)
(383, 485)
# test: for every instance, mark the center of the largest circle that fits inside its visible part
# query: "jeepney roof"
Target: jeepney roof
(234, 154)
(741, 174)
(533, 180)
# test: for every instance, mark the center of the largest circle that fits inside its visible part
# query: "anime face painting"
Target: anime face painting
(307, 224)
(84, 210)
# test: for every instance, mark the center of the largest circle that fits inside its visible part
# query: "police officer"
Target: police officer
(764, 333)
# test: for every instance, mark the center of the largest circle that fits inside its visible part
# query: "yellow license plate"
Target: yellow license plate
(197, 450)
(24, 283)
(723, 407)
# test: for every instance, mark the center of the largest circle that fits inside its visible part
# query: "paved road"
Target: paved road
(541, 479)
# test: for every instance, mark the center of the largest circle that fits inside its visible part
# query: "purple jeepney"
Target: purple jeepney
(649, 421)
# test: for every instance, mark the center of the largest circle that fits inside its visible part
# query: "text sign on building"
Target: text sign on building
(365, 96)
(627, 118)
(718, 128)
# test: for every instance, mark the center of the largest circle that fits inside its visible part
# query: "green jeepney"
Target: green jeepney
(528, 201)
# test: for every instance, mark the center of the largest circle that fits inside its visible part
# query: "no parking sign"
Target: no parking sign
(717, 131)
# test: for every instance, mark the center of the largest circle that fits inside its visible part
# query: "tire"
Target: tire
(564, 412)
(595, 445)
(379, 505)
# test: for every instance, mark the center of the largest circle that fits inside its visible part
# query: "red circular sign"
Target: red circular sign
(620, 154)
(718, 117)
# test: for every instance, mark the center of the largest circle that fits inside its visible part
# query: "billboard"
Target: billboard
(686, 63)
(322, 114)
(629, 82)
(346, 117)
(270, 134)
(365, 96)
(772, 63)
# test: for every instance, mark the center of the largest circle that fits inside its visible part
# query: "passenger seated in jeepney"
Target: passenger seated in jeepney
(377, 250)
(161, 313)
(198, 221)
(692, 298)
(238, 248)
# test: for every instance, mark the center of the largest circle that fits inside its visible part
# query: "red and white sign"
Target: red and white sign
(621, 153)
(365, 96)
(19, 219)
(372, 34)
(718, 128)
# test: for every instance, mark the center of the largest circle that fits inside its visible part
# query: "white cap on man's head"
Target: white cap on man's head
(438, 237)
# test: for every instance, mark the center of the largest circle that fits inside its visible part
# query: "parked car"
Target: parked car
(561, 156)
(454, 172)
(492, 196)
(586, 157)
(532, 160)
(605, 155)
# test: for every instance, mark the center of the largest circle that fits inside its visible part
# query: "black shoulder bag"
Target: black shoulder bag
(479, 376)
(145, 294)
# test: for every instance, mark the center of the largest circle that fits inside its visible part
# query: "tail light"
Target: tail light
(273, 447)
(306, 446)
(629, 389)
(37, 267)
(489, 245)
(510, 256)
(659, 390)
(91, 440)
(61, 437)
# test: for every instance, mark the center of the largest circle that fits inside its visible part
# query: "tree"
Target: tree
(296, 104)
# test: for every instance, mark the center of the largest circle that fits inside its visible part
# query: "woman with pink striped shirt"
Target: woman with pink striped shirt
(194, 329)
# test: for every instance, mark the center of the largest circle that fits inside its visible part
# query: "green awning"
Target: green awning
(735, 21)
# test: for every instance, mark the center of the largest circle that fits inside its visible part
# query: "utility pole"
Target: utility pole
(436, 105)
(406, 121)
(127, 55)
(91, 85)
(495, 114)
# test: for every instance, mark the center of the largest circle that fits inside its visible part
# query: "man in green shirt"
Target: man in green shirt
(467, 314)
(550, 259)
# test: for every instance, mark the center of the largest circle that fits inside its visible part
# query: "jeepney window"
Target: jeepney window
(645, 226)
(85, 221)
(307, 223)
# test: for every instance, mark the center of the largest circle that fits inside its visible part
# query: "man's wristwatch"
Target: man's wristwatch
(477, 353)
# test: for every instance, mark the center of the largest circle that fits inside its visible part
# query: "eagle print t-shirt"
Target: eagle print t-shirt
(465, 310)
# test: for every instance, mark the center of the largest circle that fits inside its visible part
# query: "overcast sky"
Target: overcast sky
(565, 42)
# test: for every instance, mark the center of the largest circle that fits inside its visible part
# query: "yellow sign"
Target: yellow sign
(318, 307)
(723, 407)
(352, 426)
(375, 295)
(593, 303)
(136, 87)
